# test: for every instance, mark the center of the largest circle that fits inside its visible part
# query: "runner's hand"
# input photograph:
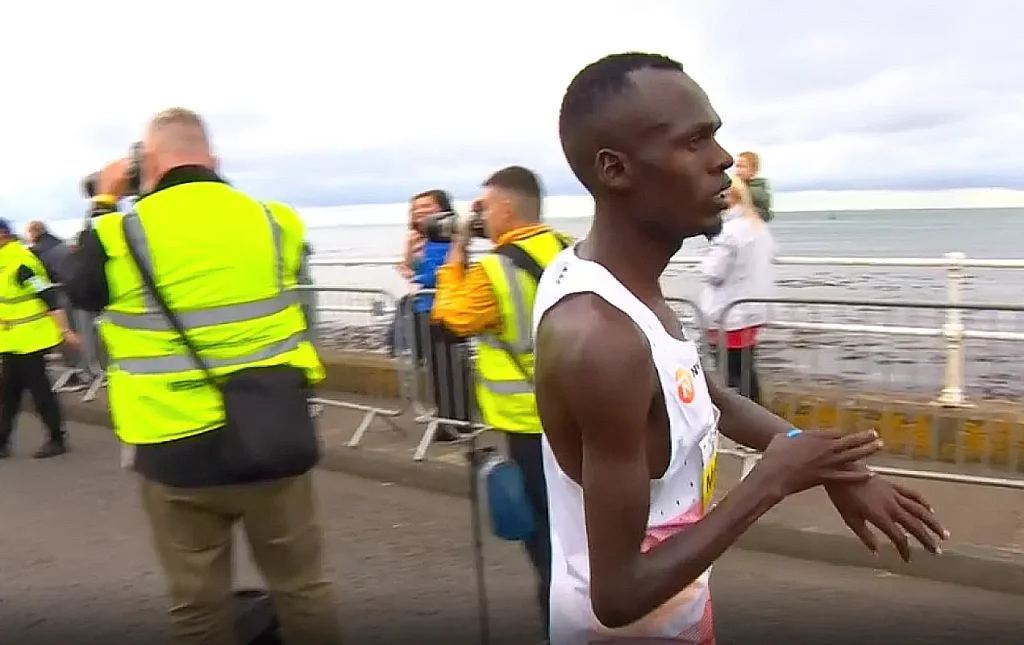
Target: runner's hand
(896, 511)
(809, 459)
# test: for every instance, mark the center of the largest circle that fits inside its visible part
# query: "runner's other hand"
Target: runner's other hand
(793, 464)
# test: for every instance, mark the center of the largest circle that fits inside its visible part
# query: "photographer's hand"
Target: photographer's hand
(457, 251)
(113, 179)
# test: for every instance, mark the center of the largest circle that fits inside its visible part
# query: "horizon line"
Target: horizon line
(944, 199)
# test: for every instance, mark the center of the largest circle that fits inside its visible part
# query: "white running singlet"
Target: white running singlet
(678, 499)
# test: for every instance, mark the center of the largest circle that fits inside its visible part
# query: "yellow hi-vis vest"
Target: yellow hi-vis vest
(506, 398)
(226, 265)
(26, 325)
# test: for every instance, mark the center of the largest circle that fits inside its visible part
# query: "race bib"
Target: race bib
(709, 459)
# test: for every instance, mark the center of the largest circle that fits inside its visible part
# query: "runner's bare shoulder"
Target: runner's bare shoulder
(594, 378)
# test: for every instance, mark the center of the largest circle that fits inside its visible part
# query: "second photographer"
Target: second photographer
(493, 300)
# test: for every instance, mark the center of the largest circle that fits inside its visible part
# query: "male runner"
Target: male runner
(630, 423)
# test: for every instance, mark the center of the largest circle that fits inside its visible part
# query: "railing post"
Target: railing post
(952, 394)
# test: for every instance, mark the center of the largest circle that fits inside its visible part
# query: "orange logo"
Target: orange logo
(684, 385)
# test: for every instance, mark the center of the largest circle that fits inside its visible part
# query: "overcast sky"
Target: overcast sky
(322, 104)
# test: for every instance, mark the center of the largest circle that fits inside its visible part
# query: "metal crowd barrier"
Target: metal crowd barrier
(359, 313)
(692, 322)
(83, 369)
(903, 345)
(448, 404)
(748, 366)
(89, 365)
(442, 376)
(957, 280)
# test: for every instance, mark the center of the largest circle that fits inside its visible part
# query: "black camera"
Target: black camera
(443, 227)
(134, 175)
(476, 222)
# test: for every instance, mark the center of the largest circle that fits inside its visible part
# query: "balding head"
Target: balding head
(34, 231)
(174, 137)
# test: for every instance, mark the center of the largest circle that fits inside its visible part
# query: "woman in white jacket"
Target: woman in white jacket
(739, 264)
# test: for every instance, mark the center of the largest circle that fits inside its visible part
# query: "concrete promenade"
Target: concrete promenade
(77, 568)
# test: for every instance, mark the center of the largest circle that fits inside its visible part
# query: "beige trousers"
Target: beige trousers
(192, 532)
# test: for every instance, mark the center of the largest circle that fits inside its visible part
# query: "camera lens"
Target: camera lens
(89, 184)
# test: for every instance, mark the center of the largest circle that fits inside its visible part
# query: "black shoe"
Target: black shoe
(5, 452)
(50, 449)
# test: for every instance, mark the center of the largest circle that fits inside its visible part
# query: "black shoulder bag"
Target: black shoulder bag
(268, 431)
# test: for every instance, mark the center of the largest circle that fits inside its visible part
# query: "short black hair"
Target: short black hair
(523, 182)
(591, 89)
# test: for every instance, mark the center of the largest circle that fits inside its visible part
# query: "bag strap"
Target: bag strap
(523, 260)
(130, 221)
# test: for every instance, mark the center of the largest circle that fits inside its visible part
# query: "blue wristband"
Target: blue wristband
(794, 432)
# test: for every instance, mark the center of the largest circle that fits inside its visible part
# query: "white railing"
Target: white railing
(948, 261)
(954, 264)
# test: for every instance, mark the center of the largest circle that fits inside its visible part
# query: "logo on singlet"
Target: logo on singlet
(561, 273)
(684, 385)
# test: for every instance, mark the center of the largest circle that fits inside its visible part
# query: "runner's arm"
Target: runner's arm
(744, 421)
(606, 384)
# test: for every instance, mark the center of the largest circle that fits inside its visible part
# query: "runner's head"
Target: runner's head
(639, 134)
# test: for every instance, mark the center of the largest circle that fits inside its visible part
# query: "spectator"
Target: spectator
(52, 252)
(50, 249)
(34, 325)
(444, 352)
(739, 264)
(748, 164)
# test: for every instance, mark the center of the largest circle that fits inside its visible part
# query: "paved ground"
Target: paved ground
(76, 567)
(987, 517)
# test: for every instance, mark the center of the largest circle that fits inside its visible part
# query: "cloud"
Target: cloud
(892, 94)
(322, 104)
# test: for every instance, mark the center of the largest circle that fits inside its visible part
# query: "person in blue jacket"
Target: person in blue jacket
(443, 351)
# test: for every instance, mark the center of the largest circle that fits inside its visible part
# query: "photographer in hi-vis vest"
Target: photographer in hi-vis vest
(492, 300)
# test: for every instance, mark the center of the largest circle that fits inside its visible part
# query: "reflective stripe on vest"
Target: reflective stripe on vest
(506, 387)
(231, 303)
(154, 320)
(26, 325)
(17, 299)
(26, 319)
(522, 311)
(183, 362)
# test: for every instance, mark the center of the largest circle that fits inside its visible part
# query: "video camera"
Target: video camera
(134, 175)
(443, 227)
